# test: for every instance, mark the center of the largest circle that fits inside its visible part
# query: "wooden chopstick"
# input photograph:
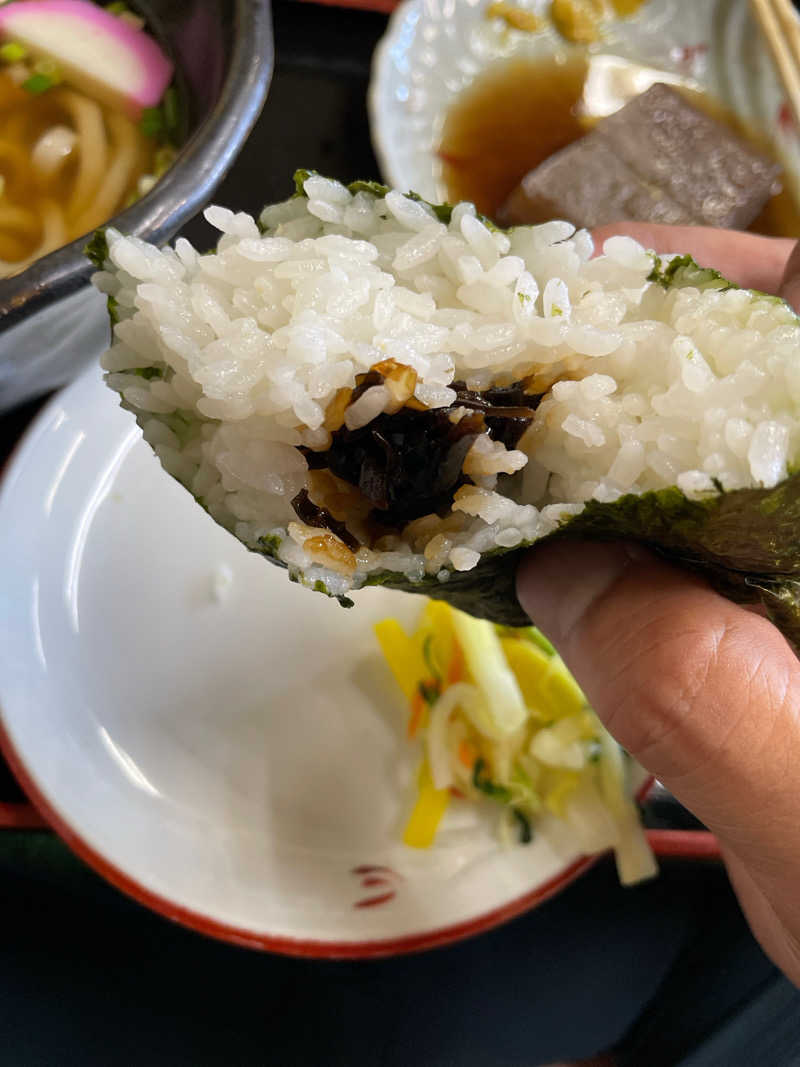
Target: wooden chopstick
(789, 20)
(780, 25)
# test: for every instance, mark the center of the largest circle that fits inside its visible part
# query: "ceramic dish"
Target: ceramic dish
(217, 742)
(434, 49)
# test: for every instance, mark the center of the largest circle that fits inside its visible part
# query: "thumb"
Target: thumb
(705, 694)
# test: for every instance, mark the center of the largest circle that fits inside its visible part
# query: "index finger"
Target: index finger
(746, 259)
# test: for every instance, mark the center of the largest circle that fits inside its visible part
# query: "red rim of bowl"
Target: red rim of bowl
(288, 946)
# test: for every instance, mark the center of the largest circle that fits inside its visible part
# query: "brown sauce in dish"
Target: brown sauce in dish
(507, 122)
(517, 114)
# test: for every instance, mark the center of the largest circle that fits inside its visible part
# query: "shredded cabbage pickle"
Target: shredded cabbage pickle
(500, 716)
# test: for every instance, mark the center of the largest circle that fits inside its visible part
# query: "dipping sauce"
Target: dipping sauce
(519, 113)
(508, 121)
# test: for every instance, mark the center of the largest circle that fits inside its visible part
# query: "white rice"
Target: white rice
(249, 345)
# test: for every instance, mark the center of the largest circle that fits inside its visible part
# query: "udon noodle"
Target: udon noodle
(67, 164)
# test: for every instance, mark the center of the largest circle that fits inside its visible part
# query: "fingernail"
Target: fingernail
(558, 584)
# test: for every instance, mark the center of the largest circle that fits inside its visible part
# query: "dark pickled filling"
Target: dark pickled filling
(508, 410)
(366, 381)
(409, 464)
(313, 515)
(406, 465)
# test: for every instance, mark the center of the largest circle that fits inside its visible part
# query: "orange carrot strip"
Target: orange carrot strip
(466, 753)
(455, 672)
(417, 711)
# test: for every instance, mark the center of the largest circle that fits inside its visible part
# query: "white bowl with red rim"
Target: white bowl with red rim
(224, 746)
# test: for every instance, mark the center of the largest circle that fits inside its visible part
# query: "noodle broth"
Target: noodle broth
(67, 164)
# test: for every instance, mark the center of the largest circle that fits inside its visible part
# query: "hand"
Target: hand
(703, 692)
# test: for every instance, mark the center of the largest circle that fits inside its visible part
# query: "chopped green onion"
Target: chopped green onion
(13, 52)
(525, 831)
(170, 110)
(428, 657)
(482, 782)
(38, 83)
(162, 121)
(429, 693)
(152, 122)
(536, 637)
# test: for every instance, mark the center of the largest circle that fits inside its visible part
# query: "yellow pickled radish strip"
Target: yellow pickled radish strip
(438, 616)
(560, 692)
(530, 665)
(428, 811)
(403, 656)
(548, 689)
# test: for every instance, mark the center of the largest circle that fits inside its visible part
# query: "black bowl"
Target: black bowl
(51, 323)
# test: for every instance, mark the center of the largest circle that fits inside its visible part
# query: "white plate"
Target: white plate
(238, 764)
(434, 49)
